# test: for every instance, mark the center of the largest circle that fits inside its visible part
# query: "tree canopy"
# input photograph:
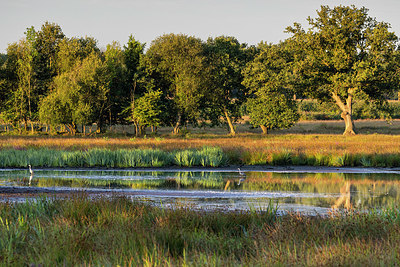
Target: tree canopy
(175, 64)
(342, 57)
(344, 53)
(271, 103)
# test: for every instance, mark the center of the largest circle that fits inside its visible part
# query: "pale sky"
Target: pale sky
(250, 21)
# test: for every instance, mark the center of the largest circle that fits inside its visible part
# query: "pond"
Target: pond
(305, 192)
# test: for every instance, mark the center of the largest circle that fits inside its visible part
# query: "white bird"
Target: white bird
(31, 171)
(243, 175)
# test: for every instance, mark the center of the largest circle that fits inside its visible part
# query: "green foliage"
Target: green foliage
(147, 109)
(273, 110)
(80, 93)
(72, 50)
(344, 53)
(175, 64)
(272, 105)
(226, 58)
(133, 51)
(47, 47)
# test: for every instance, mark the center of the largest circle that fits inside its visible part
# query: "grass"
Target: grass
(213, 151)
(103, 157)
(117, 231)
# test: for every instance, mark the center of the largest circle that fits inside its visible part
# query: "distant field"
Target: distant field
(244, 127)
(302, 127)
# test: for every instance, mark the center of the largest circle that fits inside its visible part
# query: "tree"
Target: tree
(146, 111)
(80, 93)
(271, 103)
(227, 59)
(72, 50)
(133, 51)
(25, 79)
(46, 45)
(273, 110)
(343, 54)
(175, 64)
(19, 85)
(3, 79)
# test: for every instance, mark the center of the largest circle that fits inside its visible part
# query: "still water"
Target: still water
(310, 193)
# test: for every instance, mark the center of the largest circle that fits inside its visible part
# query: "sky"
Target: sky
(250, 21)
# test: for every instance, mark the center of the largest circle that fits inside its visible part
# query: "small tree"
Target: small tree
(273, 110)
(146, 111)
(80, 93)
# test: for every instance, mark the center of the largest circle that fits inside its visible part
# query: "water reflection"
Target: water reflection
(207, 189)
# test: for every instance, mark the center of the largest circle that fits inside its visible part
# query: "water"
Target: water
(293, 191)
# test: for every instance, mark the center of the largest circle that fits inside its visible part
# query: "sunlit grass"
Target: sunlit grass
(117, 231)
(120, 158)
(311, 150)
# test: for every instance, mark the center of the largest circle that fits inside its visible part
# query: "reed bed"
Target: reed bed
(205, 157)
(121, 158)
(117, 231)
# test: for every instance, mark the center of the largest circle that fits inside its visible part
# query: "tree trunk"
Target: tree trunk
(178, 123)
(228, 119)
(25, 125)
(349, 130)
(72, 128)
(101, 128)
(137, 129)
(264, 129)
(32, 128)
(347, 110)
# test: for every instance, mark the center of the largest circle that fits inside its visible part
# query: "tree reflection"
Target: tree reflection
(345, 197)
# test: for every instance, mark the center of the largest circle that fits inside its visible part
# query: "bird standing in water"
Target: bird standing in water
(243, 175)
(31, 172)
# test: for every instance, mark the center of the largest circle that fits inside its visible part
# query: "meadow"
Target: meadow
(117, 231)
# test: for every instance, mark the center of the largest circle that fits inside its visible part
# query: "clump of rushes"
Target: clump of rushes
(118, 231)
(102, 157)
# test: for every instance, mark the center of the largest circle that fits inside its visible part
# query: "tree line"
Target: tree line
(344, 55)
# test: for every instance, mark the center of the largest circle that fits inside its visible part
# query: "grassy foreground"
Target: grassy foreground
(115, 231)
(210, 150)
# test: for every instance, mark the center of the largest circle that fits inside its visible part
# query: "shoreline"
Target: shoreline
(231, 168)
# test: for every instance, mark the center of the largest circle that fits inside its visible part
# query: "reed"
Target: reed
(103, 157)
(117, 231)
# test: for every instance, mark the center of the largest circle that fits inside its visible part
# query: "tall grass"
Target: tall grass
(122, 158)
(318, 150)
(117, 231)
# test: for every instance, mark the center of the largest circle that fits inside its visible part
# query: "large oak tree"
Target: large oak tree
(344, 53)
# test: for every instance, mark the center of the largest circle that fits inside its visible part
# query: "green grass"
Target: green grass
(117, 231)
(205, 156)
(121, 158)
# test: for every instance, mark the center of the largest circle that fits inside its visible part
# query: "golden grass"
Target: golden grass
(305, 144)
